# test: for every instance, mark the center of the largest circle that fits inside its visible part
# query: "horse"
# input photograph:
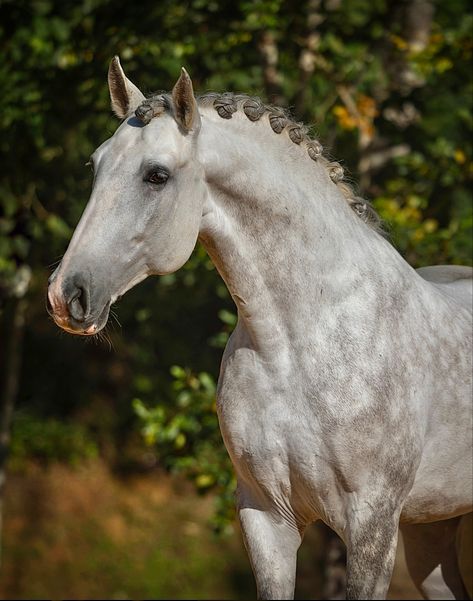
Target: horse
(345, 390)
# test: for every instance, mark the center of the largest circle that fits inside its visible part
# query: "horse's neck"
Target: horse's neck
(283, 237)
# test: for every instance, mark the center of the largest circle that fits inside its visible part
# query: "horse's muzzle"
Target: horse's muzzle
(69, 304)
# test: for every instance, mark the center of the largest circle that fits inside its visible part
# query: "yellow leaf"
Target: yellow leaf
(443, 64)
(430, 225)
(399, 42)
(204, 480)
(180, 440)
(459, 156)
(345, 120)
(366, 106)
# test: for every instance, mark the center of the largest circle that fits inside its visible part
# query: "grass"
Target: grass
(85, 533)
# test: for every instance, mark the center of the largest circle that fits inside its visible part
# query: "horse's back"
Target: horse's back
(454, 280)
(445, 274)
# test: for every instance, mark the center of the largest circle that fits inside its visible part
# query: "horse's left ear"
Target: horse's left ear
(186, 111)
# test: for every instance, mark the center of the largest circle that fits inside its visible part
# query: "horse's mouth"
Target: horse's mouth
(88, 327)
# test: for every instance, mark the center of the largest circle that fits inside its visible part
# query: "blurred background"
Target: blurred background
(114, 482)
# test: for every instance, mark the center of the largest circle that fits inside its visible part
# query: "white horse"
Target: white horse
(345, 390)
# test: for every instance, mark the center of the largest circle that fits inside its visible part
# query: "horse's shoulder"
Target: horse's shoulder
(445, 274)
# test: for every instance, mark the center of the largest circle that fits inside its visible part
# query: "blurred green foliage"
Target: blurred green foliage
(371, 92)
(50, 440)
(188, 440)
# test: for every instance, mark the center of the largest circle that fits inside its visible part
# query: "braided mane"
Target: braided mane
(227, 104)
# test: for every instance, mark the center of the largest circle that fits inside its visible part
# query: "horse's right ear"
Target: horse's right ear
(125, 96)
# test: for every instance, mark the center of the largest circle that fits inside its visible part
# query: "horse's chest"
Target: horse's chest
(253, 430)
(277, 453)
(272, 444)
(253, 413)
(275, 428)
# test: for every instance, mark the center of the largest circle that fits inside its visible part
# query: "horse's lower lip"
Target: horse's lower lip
(88, 328)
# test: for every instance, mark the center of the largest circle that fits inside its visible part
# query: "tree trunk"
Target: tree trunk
(14, 326)
(308, 56)
(270, 57)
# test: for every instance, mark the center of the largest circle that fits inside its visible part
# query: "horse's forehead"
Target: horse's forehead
(159, 136)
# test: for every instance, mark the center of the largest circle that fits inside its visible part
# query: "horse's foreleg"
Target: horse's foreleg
(272, 545)
(431, 558)
(371, 539)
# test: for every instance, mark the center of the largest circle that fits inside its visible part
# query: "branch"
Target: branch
(372, 157)
(364, 138)
(376, 159)
(416, 22)
(418, 19)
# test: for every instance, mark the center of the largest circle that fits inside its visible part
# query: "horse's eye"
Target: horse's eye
(158, 178)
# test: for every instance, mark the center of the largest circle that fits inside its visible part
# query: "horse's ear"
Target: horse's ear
(186, 111)
(125, 96)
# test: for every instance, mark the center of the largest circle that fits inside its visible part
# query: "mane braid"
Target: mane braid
(227, 103)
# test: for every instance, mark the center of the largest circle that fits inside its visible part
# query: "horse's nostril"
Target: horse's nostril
(78, 304)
